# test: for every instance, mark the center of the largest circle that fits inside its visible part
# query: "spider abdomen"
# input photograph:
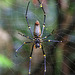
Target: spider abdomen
(37, 30)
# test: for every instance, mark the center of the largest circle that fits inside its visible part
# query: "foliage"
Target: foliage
(5, 62)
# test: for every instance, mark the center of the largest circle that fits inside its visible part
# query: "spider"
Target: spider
(37, 37)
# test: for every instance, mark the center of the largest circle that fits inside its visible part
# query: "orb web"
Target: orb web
(60, 56)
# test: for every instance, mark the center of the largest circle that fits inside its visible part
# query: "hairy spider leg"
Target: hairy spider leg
(30, 60)
(28, 37)
(51, 41)
(44, 17)
(20, 47)
(27, 19)
(48, 35)
(44, 60)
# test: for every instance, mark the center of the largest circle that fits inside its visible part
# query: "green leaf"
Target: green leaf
(5, 62)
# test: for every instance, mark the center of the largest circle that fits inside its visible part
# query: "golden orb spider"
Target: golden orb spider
(37, 37)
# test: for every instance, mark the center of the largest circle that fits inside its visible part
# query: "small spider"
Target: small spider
(37, 37)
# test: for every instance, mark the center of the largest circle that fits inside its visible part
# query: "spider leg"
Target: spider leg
(27, 18)
(48, 35)
(44, 16)
(20, 47)
(25, 36)
(44, 60)
(51, 41)
(30, 60)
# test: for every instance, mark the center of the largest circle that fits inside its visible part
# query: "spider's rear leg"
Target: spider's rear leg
(44, 16)
(27, 19)
(48, 35)
(25, 36)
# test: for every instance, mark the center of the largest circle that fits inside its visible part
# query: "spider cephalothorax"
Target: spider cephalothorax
(37, 37)
(37, 43)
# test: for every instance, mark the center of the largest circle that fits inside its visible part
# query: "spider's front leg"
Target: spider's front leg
(51, 41)
(44, 60)
(30, 60)
(21, 46)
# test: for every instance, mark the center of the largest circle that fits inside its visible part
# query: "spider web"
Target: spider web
(59, 55)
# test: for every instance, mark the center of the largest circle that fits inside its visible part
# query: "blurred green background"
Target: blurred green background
(60, 18)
